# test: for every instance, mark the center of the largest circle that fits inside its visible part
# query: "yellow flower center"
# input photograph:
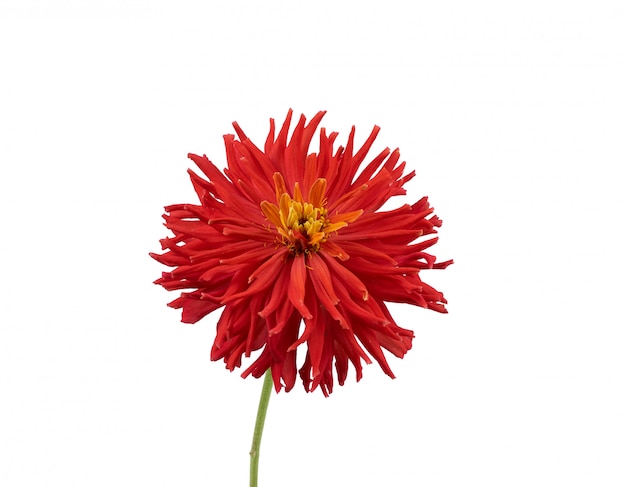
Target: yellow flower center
(303, 226)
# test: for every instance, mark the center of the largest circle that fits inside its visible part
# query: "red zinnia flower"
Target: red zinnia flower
(284, 236)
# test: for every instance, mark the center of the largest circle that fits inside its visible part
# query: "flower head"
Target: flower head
(293, 247)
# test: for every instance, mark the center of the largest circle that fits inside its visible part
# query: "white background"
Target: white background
(513, 116)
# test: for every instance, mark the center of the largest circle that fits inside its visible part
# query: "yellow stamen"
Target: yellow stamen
(303, 226)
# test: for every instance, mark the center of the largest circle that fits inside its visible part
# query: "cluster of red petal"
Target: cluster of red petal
(227, 253)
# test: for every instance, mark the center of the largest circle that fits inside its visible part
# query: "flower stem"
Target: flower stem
(258, 427)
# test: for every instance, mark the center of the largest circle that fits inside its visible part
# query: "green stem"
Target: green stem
(258, 427)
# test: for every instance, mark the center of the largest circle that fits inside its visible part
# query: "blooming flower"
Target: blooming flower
(294, 248)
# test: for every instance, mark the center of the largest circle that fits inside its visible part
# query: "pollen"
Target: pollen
(303, 225)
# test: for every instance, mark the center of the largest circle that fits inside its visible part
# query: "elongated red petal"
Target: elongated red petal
(296, 288)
